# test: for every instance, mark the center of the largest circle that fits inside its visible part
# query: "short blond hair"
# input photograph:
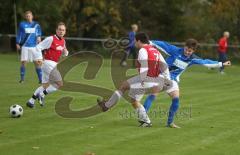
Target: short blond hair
(134, 26)
(226, 34)
(28, 12)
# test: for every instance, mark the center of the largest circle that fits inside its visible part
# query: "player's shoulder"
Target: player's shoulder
(23, 23)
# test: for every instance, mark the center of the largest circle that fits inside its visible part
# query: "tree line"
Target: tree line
(172, 20)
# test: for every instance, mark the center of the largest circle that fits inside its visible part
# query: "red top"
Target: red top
(55, 51)
(153, 61)
(222, 45)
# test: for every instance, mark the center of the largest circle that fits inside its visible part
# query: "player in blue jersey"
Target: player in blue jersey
(28, 36)
(178, 60)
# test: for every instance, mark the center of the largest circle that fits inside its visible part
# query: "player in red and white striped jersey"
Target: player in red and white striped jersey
(54, 47)
(151, 67)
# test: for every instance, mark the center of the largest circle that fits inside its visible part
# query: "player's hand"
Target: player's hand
(227, 63)
(38, 40)
(18, 46)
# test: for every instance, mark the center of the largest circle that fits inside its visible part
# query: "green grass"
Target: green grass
(209, 117)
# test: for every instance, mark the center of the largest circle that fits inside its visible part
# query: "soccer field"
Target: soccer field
(209, 116)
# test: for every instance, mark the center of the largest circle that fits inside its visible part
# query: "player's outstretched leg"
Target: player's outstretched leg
(105, 105)
(148, 102)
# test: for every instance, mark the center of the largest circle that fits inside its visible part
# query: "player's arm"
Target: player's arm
(65, 50)
(19, 37)
(165, 47)
(210, 63)
(38, 33)
(164, 68)
(45, 44)
(143, 60)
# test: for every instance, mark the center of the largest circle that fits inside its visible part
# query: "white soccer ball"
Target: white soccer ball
(16, 111)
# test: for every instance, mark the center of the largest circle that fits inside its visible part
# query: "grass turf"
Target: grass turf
(209, 117)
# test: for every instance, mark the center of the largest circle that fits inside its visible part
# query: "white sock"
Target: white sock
(142, 115)
(48, 90)
(51, 89)
(113, 99)
(38, 90)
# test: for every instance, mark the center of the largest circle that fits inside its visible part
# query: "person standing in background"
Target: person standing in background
(222, 49)
(131, 49)
(28, 36)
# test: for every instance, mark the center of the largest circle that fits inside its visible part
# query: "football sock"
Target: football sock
(148, 102)
(22, 72)
(142, 114)
(38, 90)
(39, 74)
(35, 94)
(113, 99)
(173, 109)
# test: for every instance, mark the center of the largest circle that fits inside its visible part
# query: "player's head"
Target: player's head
(190, 47)
(28, 16)
(226, 34)
(134, 27)
(61, 29)
(141, 39)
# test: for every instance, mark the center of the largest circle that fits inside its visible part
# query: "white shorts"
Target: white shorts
(50, 72)
(30, 54)
(137, 91)
(173, 87)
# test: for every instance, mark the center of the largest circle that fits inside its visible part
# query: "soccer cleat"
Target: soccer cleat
(172, 125)
(30, 105)
(21, 81)
(101, 104)
(145, 124)
(41, 100)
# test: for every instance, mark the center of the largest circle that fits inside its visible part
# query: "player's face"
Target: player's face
(29, 17)
(188, 51)
(61, 30)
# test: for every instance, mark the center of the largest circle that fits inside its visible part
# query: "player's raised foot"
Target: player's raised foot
(172, 125)
(145, 124)
(101, 104)
(30, 105)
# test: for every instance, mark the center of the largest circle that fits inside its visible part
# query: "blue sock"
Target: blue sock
(173, 110)
(148, 102)
(39, 73)
(22, 72)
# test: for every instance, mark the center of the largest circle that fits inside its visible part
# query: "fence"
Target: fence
(206, 50)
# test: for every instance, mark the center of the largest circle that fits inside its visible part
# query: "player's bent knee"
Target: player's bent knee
(124, 86)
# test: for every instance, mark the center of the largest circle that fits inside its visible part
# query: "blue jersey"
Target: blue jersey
(28, 33)
(178, 62)
(131, 37)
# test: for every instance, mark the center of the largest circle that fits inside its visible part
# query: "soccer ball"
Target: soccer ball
(16, 111)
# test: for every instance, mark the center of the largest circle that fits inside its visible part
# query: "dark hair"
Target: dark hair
(143, 37)
(192, 43)
(61, 23)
